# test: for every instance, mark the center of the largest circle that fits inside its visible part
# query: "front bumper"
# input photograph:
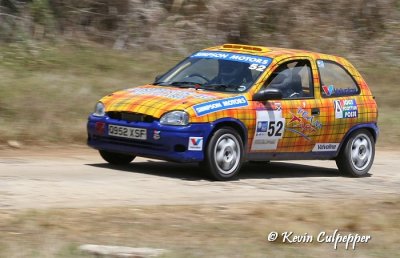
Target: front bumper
(172, 143)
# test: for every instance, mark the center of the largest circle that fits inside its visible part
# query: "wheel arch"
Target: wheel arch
(372, 128)
(233, 123)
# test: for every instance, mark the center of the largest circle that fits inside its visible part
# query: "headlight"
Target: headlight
(175, 118)
(99, 109)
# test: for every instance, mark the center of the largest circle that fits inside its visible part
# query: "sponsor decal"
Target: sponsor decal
(156, 135)
(262, 127)
(322, 147)
(250, 59)
(303, 123)
(345, 92)
(168, 93)
(346, 108)
(218, 105)
(332, 91)
(195, 143)
(278, 106)
(328, 90)
(269, 130)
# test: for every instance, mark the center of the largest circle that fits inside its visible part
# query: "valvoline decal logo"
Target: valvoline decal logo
(328, 90)
(195, 143)
(332, 91)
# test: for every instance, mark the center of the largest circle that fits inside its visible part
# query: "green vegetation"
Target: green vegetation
(58, 57)
(47, 91)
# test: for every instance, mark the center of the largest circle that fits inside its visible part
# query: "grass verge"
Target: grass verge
(47, 93)
(234, 230)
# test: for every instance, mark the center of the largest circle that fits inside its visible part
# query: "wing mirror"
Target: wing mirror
(268, 94)
(158, 77)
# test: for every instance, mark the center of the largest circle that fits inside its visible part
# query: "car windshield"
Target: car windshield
(218, 71)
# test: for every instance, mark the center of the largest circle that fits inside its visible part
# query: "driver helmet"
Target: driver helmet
(230, 72)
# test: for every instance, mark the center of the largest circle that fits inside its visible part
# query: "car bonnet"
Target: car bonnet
(156, 100)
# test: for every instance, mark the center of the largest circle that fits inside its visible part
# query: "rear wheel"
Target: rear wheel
(357, 154)
(116, 158)
(224, 154)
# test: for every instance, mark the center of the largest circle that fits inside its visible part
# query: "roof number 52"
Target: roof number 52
(257, 67)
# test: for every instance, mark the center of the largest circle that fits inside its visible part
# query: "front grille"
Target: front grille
(130, 142)
(130, 117)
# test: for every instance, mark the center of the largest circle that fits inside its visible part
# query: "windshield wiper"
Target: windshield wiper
(219, 86)
(183, 84)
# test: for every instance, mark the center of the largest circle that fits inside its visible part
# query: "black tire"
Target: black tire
(357, 154)
(260, 162)
(116, 158)
(223, 154)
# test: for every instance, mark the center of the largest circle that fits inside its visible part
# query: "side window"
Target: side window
(335, 80)
(293, 79)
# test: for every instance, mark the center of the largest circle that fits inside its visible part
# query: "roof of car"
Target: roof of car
(271, 52)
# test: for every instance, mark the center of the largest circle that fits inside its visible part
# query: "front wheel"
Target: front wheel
(116, 158)
(224, 154)
(357, 154)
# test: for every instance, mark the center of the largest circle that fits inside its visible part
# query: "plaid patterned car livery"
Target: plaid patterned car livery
(302, 131)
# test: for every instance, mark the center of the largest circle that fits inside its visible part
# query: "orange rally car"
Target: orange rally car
(233, 103)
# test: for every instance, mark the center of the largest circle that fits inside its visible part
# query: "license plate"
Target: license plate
(127, 132)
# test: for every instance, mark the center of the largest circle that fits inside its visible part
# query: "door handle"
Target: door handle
(315, 111)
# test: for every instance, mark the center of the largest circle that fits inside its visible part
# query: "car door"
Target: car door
(340, 95)
(292, 124)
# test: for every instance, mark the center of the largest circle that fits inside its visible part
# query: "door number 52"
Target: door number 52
(275, 129)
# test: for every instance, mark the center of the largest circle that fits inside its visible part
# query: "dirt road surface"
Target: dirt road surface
(78, 177)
